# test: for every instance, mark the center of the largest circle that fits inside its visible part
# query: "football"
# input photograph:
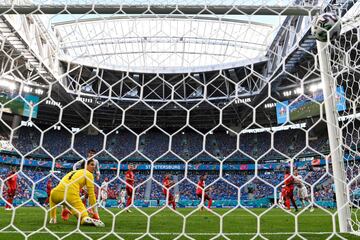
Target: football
(93, 222)
(98, 223)
(327, 25)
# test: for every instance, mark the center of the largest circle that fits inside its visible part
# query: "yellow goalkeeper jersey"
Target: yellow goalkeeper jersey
(76, 180)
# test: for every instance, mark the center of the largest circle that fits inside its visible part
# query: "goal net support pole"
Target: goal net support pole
(334, 133)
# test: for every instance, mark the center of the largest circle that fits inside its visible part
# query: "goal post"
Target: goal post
(335, 140)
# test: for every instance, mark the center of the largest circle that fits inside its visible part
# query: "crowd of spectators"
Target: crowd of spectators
(226, 188)
(185, 144)
(153, 144)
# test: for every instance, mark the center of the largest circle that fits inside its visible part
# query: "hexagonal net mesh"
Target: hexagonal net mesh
(179, 120)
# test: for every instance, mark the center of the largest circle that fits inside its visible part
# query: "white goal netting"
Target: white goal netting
(208, 120)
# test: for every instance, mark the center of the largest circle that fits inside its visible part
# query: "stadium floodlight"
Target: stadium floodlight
(12, 86)
(39, 91)
(27, 89)
(313, 88)
(8, 84)
(270, 105)
(75, 130)
(87, 88)
(132, 93)
(299, 90)
(287, 93)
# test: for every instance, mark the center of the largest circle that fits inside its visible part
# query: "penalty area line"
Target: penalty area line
(172, 233)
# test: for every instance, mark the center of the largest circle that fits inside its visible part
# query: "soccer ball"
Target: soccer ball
(98, 223)
(93, 222)
(326, 24)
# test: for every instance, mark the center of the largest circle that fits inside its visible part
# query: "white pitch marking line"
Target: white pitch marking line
(172, 233)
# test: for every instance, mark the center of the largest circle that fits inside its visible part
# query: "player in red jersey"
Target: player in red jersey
(48, 190)
(11, 184)
(289, 190)
(201, 193)
(130, 179)
(167, 183)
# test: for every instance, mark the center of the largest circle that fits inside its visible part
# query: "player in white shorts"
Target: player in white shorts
(302, 190)
(177, 197)
(104, 192)
(122, 200)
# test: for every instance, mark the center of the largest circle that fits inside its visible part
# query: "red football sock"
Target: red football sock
(287, 203)
(9, 201)
(174, 205)
(128, 201)
(65, 214)
(210, 203)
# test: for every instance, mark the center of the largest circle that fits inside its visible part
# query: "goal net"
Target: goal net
(207, 120)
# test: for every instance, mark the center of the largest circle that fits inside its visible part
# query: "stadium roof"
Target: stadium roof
(163, 44)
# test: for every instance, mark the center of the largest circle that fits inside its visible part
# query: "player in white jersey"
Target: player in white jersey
(91, 154)
(177, 197)
(302, 190)
(122, 200)
(104, 192)
(282, 197)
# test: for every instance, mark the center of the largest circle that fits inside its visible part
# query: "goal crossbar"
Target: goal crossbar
(159, 9)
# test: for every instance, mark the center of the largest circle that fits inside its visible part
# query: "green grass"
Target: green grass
(237, 224)
(312, 109)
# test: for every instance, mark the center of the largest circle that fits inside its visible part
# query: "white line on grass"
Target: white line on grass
(172, 233)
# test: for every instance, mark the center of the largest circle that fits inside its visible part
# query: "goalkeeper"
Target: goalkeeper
(68, 193)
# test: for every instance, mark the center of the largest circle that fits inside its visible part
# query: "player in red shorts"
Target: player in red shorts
(130, 179)
(289, 190)
(11, 184)
(200, 192)
(48, 191)
(167, 183)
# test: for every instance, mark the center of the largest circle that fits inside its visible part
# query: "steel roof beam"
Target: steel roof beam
(158, 9)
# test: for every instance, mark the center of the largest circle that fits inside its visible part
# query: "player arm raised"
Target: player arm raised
(78, 165)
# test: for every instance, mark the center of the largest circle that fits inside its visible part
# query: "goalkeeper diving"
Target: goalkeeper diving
(67, 192)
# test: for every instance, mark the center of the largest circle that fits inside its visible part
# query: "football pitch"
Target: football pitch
(165, 224)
